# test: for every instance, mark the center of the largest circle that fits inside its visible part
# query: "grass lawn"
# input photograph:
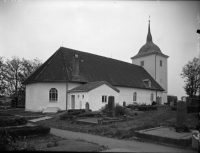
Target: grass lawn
(124, 130)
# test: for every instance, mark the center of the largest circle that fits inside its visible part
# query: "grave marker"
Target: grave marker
(181, 114)
(111, 106)
(87, 107)
(124, 103)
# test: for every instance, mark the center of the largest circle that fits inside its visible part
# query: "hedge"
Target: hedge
(90, 114)
(25, 131)
(190, 109)
(12, 121)
(5, 114)
(147, 108)
(131, 106)
(69, 115)
(77, 110)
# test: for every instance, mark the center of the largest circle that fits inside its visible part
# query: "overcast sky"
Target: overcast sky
(116, 29)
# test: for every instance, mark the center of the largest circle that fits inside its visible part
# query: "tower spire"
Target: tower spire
(149, 37)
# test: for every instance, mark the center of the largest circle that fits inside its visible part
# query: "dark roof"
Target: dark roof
(58, 68)
(149, 48)
(92, 85)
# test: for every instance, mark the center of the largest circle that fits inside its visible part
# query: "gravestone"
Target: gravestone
(181, 114)
(124, 103)
(87, 107)
(111, 107)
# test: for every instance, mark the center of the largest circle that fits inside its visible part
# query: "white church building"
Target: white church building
(70, 78)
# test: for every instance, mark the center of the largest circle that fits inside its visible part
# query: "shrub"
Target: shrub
(173, 108)
(90, 114)
(12, 121)
(70, 115)
(132, 106)
(5, 114)
(16, 132)
(147, 108)
(192, 109)
(76, 110)
(119, 110)
(183, 128)
(153, 103)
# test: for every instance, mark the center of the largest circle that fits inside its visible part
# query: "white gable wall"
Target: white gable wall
(37, 96)
(143, 95)
(95, 96)
(80, 101)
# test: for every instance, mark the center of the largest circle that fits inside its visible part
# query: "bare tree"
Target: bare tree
(3, 84)
(191, 74)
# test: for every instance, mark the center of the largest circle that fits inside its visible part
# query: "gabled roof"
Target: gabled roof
(92, 85)
(92, 68)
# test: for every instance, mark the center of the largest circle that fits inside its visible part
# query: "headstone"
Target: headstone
(195, 139)
(171, 103)
(111, 106)
(100, 121)
(87, 107)
(181, 114)
(124, 103)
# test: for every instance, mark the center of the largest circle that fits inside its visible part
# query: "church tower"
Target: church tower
(154, 62)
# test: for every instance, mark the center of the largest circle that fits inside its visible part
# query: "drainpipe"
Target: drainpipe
(66, 95)
(155, 76)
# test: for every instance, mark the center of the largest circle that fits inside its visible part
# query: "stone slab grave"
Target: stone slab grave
(166, 135)
(181, 114)
(51, 110)
(40, 119)
(111, 107)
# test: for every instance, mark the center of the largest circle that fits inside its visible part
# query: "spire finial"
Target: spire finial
(149, 37)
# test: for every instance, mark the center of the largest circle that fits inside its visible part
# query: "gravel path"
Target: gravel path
(119, 145)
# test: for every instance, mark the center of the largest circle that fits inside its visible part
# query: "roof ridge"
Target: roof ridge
(100, 56)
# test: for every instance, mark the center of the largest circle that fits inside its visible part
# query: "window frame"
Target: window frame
(135, 96)
(104, 98)
(152, 96)
(141, 63)
(53, 95)
(160, 63)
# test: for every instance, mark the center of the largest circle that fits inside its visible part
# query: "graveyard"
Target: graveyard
(162, 124)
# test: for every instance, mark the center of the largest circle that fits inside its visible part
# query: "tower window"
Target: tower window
(141, 63)
(160, 62)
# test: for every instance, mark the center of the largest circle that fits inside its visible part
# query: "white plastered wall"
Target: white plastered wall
(80, 100)
(162, 75)
(143, 95)
(95, 96)
(149, 64)
(37, 96)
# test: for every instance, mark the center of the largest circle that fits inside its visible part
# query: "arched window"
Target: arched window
(134, 96)
(53, 94)
(152, 97)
